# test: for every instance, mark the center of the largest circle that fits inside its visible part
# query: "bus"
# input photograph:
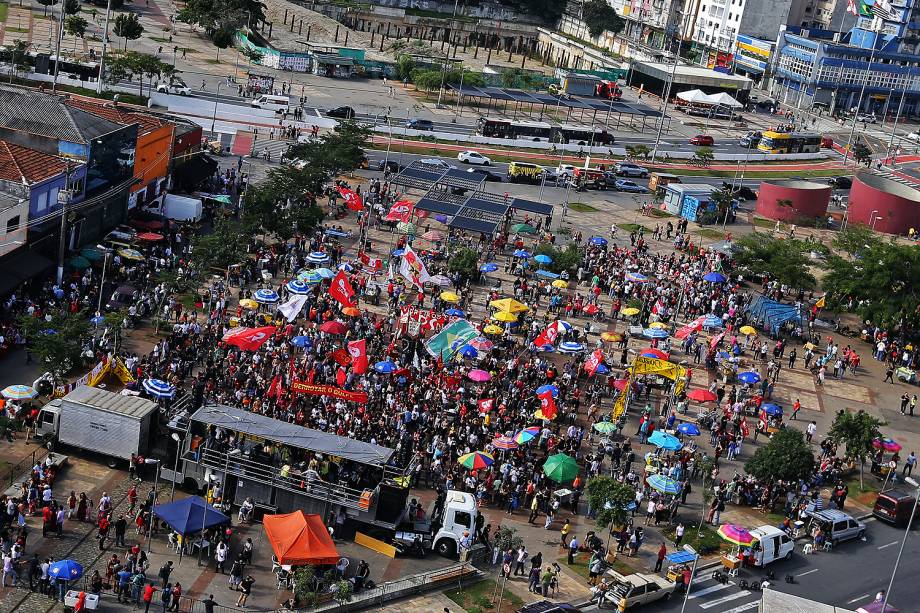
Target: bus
(579, 135)
(506, 128)
(789, 142)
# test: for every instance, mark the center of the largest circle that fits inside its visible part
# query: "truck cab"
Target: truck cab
(459, 516)
(46, 425)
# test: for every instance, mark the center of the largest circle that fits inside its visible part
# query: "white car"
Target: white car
(473, 157)
(564, 171)
(870, 118)
(176, 87)
(914, 136)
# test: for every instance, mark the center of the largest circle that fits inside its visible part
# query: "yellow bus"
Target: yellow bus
(790, 142)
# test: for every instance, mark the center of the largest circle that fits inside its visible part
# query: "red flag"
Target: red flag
(341, 356)
(400, 211)
(547, 404)
(341, 376)
(375, 264)
(548, 336)
(594, 360)
(744, 427)
(341, 289)
(486, 404)
(358, 352)
(352, 199)
(273, 388)
(248, 339)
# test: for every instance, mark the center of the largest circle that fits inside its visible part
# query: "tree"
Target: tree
(253, 56)
(305, 585)
(785, 260)
(76, 27)
(856, 431)
(46, 4)
(221, 18)
(71, 7)
(131, 64)
(600, 16)
(16, 55)
(787, 456)
(343, 591)
(722, 198)
(426, 80)
(567, 259)
(465, 262)
(404, 66)
(128, 26)
(220, 249)
(58, 342)
(335, 152)
(281, 206)
(610, 499)
(861, 153)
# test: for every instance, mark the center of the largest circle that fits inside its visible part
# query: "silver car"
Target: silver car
(631, 170)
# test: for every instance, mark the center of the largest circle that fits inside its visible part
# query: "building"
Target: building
(716, 24)
(654, 76)
(883, 204)
(831, 15)
(649, 23)
(753, 56)
(793, 201)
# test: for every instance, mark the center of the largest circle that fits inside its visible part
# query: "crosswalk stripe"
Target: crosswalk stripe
(745, 607)
(708, 590)
(724, 599)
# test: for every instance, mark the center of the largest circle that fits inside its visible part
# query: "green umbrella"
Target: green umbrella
(523, 228)
(91, 253)
(560, 468)
(605, 427)
(406, 227)
(79, 262)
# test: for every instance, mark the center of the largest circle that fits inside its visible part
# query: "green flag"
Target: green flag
(446, 343)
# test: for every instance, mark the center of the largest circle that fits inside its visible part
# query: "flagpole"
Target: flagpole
(862, 91)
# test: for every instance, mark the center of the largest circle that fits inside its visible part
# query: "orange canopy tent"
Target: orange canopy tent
(298, 539)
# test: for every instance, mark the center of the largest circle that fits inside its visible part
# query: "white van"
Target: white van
(770, 544)
(279, 104)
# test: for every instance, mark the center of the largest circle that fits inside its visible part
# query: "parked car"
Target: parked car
(626, 169)
(391, 165)
(565, 171)
(440, 164)
(914, 136)
(623, 185)
(702, 140)
(742, 192)
(837, 525)
(867, 118)
(474, 157)
(491, 177)
(894, 507)
(420, 124)
(548, 606)
(341, 112)
(121, 233)
(840, 182)
(638, 589)
(176, 86)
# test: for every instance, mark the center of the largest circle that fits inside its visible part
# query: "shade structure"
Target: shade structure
(773, 410)
(749, 377)
(488, 267)
(598, 241)
(454, 312)
(311, 277)
(351, 311)
(701, 395)
(886, 443)
(560, 468)
(548, 388)
(504, 316)
(492, 329)
(481, 343)
(560, 284)
(66, 570)
(246, 303)
(302, 341)
(479, 375)
(629, 311)
(19, 392)
(663, 440)
(151, 237)
(571, 347)
(190, 515)
(688, 429)
(131, 254)
(476, 460)
(542, 258)
(265, 296)
(735, 534)
(298, 287)
(440, 281)
(659, 325)
(611, 337)
(605, 427)
(665, 485)
(714, 277)
(523, 228)
(521, 253)
(468, 353)
(159, 388)
(655, 333)
(325, 273)
(526, 435)
(747, 330)
(299, 538)
(504, 442)
(333, 327)
(318, 257)
(712, 321)
(509, 304)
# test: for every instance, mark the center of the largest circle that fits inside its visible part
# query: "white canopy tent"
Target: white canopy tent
(696, 96)
(725, 100)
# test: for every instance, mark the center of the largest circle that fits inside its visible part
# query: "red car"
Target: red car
(702, 140)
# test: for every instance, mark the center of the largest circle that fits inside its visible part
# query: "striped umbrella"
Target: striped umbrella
(665, 485)
(318, 257)
(504, 442)
(325, 273)
(735, 534)
(636, 277)
(265, 296)
(571, 347)
(605, 427)
(526, 435)
(19, 392)
(476, 460)
(309, 276)
(655, 333)
(712, 321)
(298, 287)
(159, 388)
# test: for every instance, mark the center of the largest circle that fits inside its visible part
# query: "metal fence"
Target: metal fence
(25, 465)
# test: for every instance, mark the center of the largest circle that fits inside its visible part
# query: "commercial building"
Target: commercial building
(717, 23)
(654, 76)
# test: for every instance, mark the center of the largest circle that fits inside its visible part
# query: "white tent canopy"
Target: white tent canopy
(725, 100)
(696, 96)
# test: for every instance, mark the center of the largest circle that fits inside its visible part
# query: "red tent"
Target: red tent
(299, 539)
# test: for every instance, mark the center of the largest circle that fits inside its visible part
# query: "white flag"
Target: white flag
(291, 309)
(413, 269)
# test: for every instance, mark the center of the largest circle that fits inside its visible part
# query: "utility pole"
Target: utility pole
(58, 33)
(105, 44)
(62, 243)
(862, 90)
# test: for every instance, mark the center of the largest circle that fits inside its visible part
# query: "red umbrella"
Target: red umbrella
(334, 327)
(152, 237)
(701, 395)
(591, 309)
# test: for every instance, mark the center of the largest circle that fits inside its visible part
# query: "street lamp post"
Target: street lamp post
(105, 44)
(894, 125)
(667, 91)
(175, 436)
(874, 219)
(696, 558)
(862, 90)
(105, 261)
(897, 561)
(156, 484)
(216, 102)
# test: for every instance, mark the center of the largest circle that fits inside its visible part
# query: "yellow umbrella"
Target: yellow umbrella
(560, 284)
(657, 324)
(131, 254)
(629, 311)
(509, 304)
(811, 346)
(451, 297)
(611, 337)
(747, 330)
(504, 316)
(246, 303)
(539, 415)
(492, 329)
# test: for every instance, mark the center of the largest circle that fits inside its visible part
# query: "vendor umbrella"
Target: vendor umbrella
(504, 316)
(526, 435)
(454, 312)
(885, 443)
(265, 296)
(523, 228)
(66, 570)
(598, 241)
(747, 330)
(302, 341)
(151, 237)
(688, 429)
(78, 262)
(665, 485)
(504, 442)
(735, 534)
(560, 468)
(714, 277)
(333, 327)
(749, 376)
(611, 337)
(92, 254)
(773, 410)
(131, 254)
(712, 321)
(605, 427)
(246, 303)
(571, 347)
(433, 235)
(701, 395)
(318, 257)
(468, 353)
(159, 388)
(488, 267)
(479, 375)
(324, 273)
(543, 259)
(629, 311)
(476, 460)
(521, 253)
(19, 392)
(481, 343)
(560, 284)
(655, 333)
(385, 367)
(351, 311)
(450, 297)
(311, 277)
(492, 329)
(509, 304)
(663, 440)
(298, 287)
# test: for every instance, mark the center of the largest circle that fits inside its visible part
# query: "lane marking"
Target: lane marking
(863, 597)
(744, 607)
(888, 545)
(708, 590)
(724, 599)
(808, 572)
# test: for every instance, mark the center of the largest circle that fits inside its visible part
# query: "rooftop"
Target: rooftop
(34, 112)
(683, 70)
(27, 166)
(109, 111)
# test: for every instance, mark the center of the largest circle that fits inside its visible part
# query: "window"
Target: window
(53, 196)
(12, 224)
(42, 202)
(462, 518)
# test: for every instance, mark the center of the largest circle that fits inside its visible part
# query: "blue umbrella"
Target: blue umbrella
(325, 273)
(773, 410)
(547, 274)
(688, 429)
(159, 388)
(318, 257)
(714, 277)
(655, 333)
(597, 240)
(298, 287)
(468, 352)
(712, 321)
(49, 332)
(98, 319)
(399, 252)
(385, 367)
(723, 355)
(749, 377)
(66, 570)
(346, 267)
(543, 259)
(663, 440)
(548, 388)
(665, 485)
(488, 267)
(265, 296)
(302, 341)
(522, 253)
(601, 370)
(455, 313)
(571, 347)
(309, 276)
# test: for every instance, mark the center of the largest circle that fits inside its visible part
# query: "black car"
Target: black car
(742, 192)
(341, 112)
(420, 124)
(390, 165)
(488, 174)
(840, 182)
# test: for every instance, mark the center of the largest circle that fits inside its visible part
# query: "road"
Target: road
(848, 577)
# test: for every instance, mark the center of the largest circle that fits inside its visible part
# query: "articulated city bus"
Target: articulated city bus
(506, 128)
(581, 135)
(789, 142)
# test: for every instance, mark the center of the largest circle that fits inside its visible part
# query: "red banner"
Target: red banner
(400, 211)
(302, 387)
(352, 199)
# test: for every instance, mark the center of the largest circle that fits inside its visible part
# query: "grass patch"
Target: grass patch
(710, 233)
(18, 30)
(765, 223)
(705, 542)
(477, 598)
(159, 39)
(41, 16)
(213, 61)
(659, 213)
(868, 493)
(187, 50)
(4, 11)
(581, 207)
(632, 227)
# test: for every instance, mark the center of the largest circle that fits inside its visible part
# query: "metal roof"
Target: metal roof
(131, 406)
(38, 113)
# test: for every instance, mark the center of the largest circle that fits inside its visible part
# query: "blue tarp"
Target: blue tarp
(771, 315)
(190, 515)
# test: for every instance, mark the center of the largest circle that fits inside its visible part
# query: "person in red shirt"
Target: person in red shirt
(662, 552)
(47, 520)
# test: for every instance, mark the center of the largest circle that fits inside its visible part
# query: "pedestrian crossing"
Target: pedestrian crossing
(896, 176)
(712, 596)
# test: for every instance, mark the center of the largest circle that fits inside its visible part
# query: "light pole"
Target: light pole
(696, 558)
(862, 90)
(667, 91)
(105, 261)
(444, 65)
(175, 436)
(874, 219)
(897, 561)
(156, 484)
(105, 44)
(216, 102)
(894, 125)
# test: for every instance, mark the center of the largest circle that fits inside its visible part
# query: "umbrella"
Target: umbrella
(665, 485)
(309, 276)
(298, 287)
(523, 228)
(98, 319)
(655, 333)
(159, 388)
(543, 259)
(526, 435)
(712, 321)
(560, 468)
(453, 312)
(748, 376)
(504, 442)
(658, 354)
(91, 253)
(714, 277)
(747, 330)
(688, 429)
(450, 297)
(560, 284)
(879, 443)
(509, 304)
(405, 227)
(636, 277)
(601, 370)
(571, 347)
(131, 254)
(476, 460)
(265, 296)
(481, 343)
(521, 253)
(546, 273)
(773, 410)
(325, 273)
(385, 367)
(701, 395)
(468, 353)
(605, 427)
(811, 346)
(735, 534)
(246, 303)
(151, 237)
(492, 329)
(611, 337)
(318, 257)
(78, 262)
(591, 309)
(351, 311)
(19, 392)
(504, 316)
(398, 252)
(629, 311)
(488, 267)
(663, 440)
(599, 241)
(333, 327)
(66, 570)
(479, 375)
(563, 326)
(302, 341)
(433, 235)
(548, 388)
(658, 324)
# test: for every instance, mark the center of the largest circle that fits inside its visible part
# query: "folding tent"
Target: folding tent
(190, 515)
(725, 100)
(695, 95)
(298, 539)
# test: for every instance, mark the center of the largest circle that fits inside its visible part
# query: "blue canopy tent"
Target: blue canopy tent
(190, 515)
(772, 315)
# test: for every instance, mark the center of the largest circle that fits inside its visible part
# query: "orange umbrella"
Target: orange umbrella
(352, 311)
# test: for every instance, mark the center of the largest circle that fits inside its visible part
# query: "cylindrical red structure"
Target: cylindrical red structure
(894, 206)
(793, 201)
